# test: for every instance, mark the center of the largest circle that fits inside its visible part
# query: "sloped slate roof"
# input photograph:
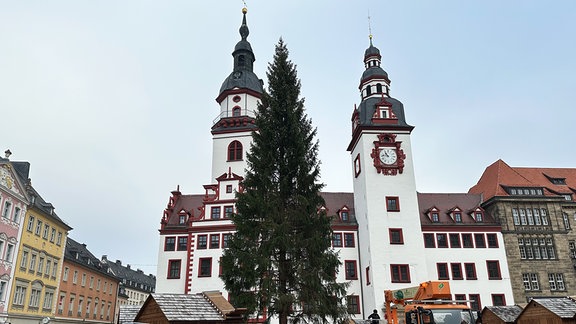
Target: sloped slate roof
(445, 202)
(506, 313)
(127, 313)
(563, 307)
(183, 307)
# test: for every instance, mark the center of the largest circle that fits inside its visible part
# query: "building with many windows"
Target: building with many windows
(13, 207)
(536, 209)
(388, 235)
(38, 266)
(88, 291)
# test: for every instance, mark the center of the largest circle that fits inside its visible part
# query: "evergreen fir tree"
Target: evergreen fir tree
(280, 259)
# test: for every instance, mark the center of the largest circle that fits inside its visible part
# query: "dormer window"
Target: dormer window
(558, 181)
(344, 214)
(517, 191)
(182, 219)
(479, 217)
(435, 217)
(458, 217)
(383, 113)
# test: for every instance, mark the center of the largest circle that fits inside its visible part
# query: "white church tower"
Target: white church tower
(238, 98)
(385, 199)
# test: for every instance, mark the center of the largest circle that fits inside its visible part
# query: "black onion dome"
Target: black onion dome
(374, 71)
(371, 51)
(242, 75)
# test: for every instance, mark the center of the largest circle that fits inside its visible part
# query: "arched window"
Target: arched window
(236, 111)
(368, 90)
(378, 88)
(235, 151)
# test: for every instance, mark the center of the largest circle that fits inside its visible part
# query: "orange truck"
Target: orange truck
(428, 303)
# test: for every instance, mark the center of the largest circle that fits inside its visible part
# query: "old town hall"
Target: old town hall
(507, 240)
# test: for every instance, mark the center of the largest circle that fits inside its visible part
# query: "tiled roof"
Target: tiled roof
(191, 204)
(500, 174)
(507, 314)
(563, 307)
(446, 202)
(185, 307)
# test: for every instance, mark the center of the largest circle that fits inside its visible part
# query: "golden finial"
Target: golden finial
(245, 9)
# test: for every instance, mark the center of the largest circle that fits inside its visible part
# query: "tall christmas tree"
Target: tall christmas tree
(280, 259)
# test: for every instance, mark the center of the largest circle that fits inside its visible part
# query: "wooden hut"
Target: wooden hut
(549, 311)
(203, 308)
(500, 314)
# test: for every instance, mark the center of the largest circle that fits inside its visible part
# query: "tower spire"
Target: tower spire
(244, 31)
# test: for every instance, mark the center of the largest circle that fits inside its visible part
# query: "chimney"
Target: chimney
(128, 266)
(118, 262)
(104, 258)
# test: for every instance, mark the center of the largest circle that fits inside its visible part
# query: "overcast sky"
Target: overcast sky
(112, 101)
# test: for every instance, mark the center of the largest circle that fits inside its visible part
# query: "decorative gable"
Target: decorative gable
(477, 214)
(383, 114)
(433, 214)
(455, 214)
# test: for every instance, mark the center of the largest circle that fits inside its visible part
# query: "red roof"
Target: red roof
(499, 175)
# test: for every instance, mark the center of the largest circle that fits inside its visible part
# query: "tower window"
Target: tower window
(368, 90)
(235, 151)
(378, 88)
(236, 111)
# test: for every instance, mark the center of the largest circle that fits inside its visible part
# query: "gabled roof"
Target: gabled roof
(499, 175)
(210, 306)
(507, 314)
(127, 313)
(445, 203)
(563, 307)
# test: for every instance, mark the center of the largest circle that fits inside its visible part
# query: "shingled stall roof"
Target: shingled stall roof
(564, 308)
(127, 313)
(206, 307)
(506, 314)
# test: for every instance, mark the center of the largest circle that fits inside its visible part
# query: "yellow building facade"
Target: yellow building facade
(34, 292)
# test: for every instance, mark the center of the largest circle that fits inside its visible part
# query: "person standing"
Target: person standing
(374, 317)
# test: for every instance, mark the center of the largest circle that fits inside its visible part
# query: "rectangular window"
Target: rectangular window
(59, 239)
(349, 240)
(75, 277)
(169, 243)
(470, 269)
(337, 239)
(215, 213)
(392, 204)
(456, 271)
(38, 227)
(467, 241)
(202, 242)
(498, 300)
(24, 260)
(228, 188)
(30, 224)
(435, 217)
(493, 268)
(19, 295)
(205, 267)
(344, 216)
(441, 240)
(400, 272)
(367, 275)
(492, 240)
(225, 239)
(460, 297)
(350, 270)
(556, 281)
(475, 304)
(515, 216)
(458, 217)
(214, 241)
(3, 285)
(16, 217)
(83, 281)
(396, 236)
(442, 271)
(228, 211)
(479, 239)
(46, 231)
(10, 252)
(429, 240)
(182, 243)
(174, 267)
(6, 211)
(454, 241)
(53, 235)
(353, 304)
(357, 166)
(479, 217)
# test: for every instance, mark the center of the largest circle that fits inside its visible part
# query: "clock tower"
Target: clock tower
(385, 198)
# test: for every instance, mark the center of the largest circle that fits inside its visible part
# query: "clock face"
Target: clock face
(388, 156)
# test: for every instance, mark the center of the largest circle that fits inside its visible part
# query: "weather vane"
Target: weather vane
(244, 2)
